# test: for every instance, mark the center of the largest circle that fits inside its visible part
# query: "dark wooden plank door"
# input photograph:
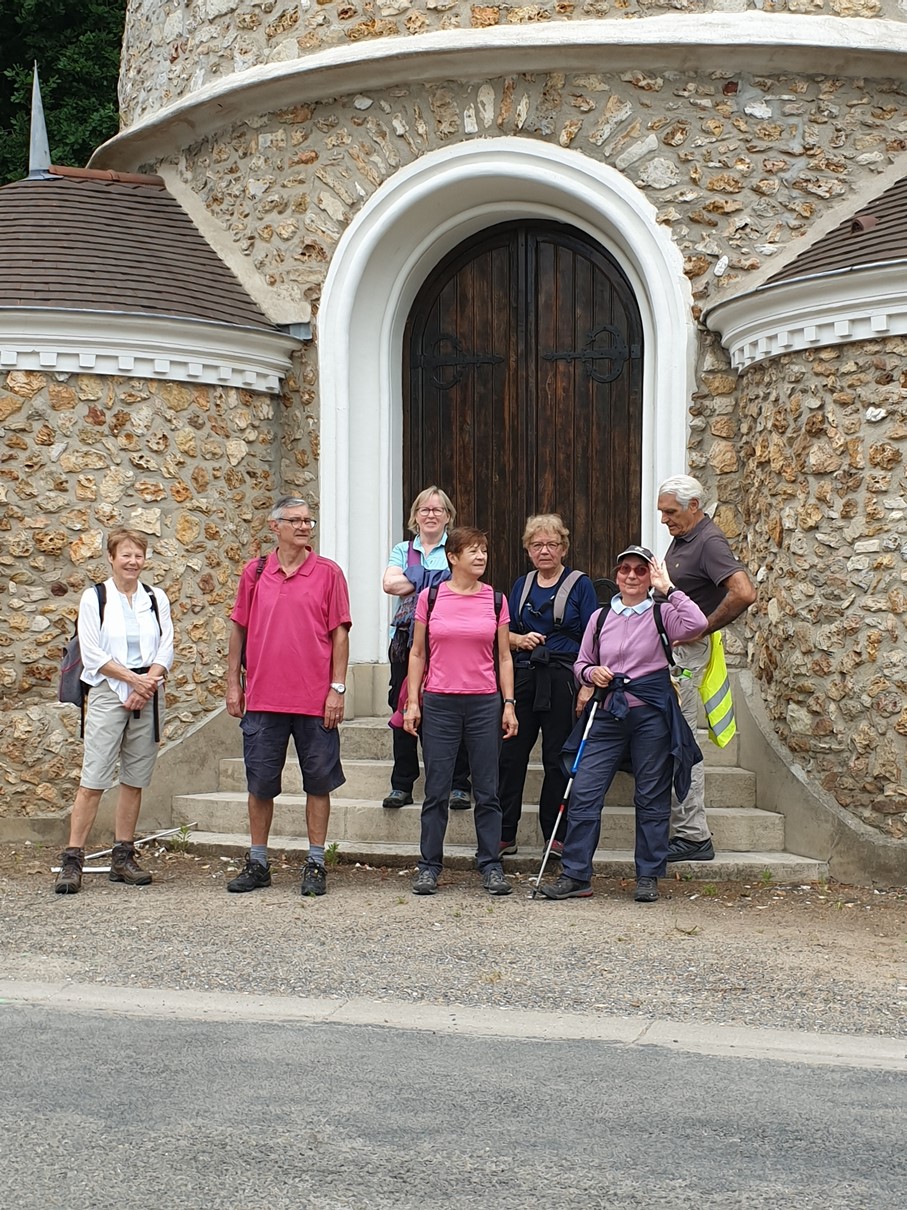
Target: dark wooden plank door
(522, 392)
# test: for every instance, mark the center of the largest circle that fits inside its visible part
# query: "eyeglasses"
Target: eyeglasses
(639, 572)
(427, 512)
(537, 546)
(300, 522)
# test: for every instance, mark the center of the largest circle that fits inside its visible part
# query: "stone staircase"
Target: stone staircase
(749, 842)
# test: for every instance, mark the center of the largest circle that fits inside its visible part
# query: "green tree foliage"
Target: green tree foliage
(76, 44)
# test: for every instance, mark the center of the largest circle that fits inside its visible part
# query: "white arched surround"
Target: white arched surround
(406, 227)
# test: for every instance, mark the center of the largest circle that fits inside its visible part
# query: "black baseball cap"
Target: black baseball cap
(642, 551)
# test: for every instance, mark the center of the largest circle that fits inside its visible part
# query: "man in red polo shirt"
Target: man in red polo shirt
(292, 621)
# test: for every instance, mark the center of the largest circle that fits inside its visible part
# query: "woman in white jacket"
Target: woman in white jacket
(126, 640)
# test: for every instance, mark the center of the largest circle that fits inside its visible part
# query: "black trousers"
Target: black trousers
(555, 725)
(406, 747)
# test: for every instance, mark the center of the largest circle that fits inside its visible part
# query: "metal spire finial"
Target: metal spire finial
(38, 147)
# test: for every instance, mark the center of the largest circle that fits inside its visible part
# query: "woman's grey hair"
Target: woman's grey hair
(683, 488)
(423, 497)
(287, 502)
(546, 523)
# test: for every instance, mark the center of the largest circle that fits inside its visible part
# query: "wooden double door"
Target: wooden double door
(522, 392)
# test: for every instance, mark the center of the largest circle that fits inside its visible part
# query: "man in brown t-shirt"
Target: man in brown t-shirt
(702, 564)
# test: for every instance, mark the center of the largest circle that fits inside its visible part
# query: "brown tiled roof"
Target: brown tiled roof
(874, 234)
(90, 240)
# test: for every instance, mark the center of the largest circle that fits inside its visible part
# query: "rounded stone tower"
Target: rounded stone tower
(517, 232)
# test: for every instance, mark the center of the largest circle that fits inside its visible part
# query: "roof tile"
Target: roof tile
(95, 241)
(874, 234)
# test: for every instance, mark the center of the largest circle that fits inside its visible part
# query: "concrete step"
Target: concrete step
(365, 822)
(757, 867)
(371, 780)
(371, 739)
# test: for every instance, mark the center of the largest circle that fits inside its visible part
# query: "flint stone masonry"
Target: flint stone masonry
(194, 469)
(829, 633)
(168, 54)
(734, 189)
(739, 171)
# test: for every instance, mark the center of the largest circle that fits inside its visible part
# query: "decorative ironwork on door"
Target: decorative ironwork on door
(458, 360)
(616, 352)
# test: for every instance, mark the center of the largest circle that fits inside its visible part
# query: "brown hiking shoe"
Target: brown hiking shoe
(69, 880)
(124, 867)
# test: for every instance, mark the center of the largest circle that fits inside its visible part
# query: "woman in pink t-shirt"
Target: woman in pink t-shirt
(459, 666)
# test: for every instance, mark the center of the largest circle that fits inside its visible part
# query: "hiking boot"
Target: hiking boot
(557, 849)
(124, 867)
(682, 849)
(508, 848)
(458, 801)
(494, 882)
(425, 883)
(398, 798)
(646, 890)
(69, 880)
(253, 877)
(314, 879)
(566, 888)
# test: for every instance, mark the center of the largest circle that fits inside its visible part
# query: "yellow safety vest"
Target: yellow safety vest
(715, 691)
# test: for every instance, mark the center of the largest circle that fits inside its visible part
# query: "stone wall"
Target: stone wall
(738, 169)
(824, 433)
(174, 49)
(193, 468)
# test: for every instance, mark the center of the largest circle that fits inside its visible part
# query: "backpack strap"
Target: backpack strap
(663, 634)
(101, 593)
(524, 596)
(498, 606)
(259, 568)
(101, 590)
(563, 592)
(160, 630)
(154, 608)
(413, 557)
(432, 598)
(599, 626)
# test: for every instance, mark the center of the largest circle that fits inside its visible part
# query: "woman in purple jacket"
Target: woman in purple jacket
(625, 658)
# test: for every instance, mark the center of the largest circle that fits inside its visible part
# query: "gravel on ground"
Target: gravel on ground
(821, 957)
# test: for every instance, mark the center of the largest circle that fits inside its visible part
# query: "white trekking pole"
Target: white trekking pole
(597, 698)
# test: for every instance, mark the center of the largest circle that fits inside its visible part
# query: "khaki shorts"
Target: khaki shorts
(112, 734)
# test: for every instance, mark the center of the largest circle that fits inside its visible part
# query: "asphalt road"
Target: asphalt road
(104, 1109)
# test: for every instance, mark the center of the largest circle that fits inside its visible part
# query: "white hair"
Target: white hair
(287, 502)
(683, 488)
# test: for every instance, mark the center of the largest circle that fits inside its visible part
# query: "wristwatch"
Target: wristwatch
(509, 701)
(338, 687)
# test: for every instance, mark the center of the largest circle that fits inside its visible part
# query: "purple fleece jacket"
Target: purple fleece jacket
(630, 644)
